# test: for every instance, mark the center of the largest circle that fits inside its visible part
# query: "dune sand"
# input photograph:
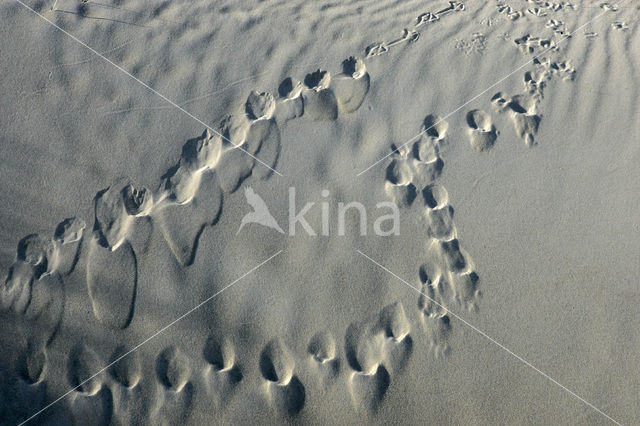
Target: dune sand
(184, 187)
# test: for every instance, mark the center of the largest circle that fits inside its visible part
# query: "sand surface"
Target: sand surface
(142, 142)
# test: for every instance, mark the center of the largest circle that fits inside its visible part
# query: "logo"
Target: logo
(260, 213)
(385, 224)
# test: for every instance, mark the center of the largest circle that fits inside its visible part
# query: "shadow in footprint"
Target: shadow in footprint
(322, 348)
(222, 376)
(92, 402)
(367, 391)
(130, 405)
(351, 87)
(482, 132)
(285, 390)
(69, 236)
(93, 409)
(175, 395)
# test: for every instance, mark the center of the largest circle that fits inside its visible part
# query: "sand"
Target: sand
(184, 187)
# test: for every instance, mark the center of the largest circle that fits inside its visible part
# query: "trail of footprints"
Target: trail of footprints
(448, 276)
(376, 350)
(189, 199)
(412, 35)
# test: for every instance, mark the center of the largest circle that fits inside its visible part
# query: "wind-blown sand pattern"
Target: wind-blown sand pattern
(138, 288)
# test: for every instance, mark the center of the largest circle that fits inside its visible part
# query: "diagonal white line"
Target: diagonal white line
(487, 89)
(492, 340)
(190, 311)
(151, 89)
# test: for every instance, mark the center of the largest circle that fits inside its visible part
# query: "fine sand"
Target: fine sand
(142, 144)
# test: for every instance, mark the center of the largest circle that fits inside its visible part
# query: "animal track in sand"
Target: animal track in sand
(283, 388)
(128, 370)
(477, 43)
(482, 132)
(620, 26)
(529, 44)
(33, 288)
(609, 7)
(175, 392)
(415, 166)
(32, 365)
(188, 199)
(322, 349)
(522, 109)
(69, 234)
(92, 401)
(130, 406)
(411, 35)
(438, 212)
(222, 375)
(451, 277)
(375, 349)
(510, 12)
(540, 9)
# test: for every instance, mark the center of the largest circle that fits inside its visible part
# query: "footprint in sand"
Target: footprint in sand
(323, 358)
(323, 96)
(175, 390)
(399, 178)
(181, 183)
(454, 268)
(425, 152)
(266, 135)
(222, 375)
(451, 254)
(522, 110)
(45, 309)
(351, 87)
(376, 349)
(32, 365)
(91, 401)
(618, 25)
(30, 385)
(34, 290)
(260, 106)
(368, 390)
(482, 132)
(319, 100)
(434, 316)
(112, 221)
(40, 252)
(130, 405)
(112, 271)
(182, 225)
(284, 389)
(69, 233)
(438, 213)
(257, 133)
(529, 44)
(398, 344)
(112, 278)
(290, 103)
(415, 166)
